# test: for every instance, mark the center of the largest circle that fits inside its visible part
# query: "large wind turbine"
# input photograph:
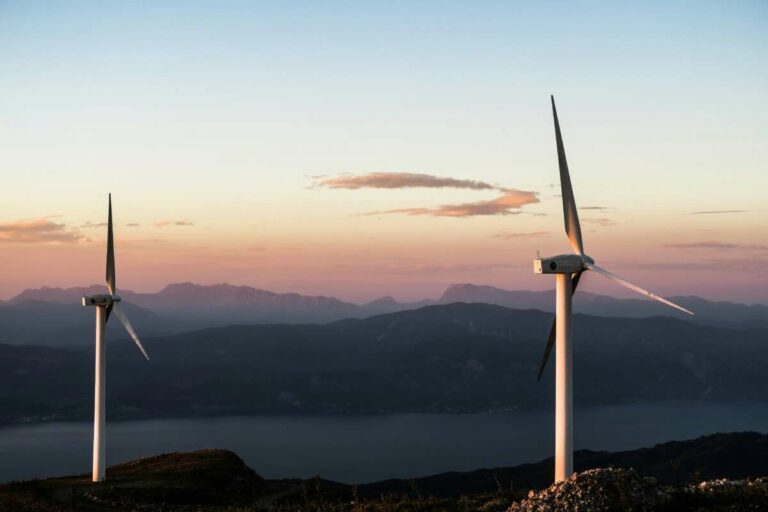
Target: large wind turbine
(105, 304)
(568, 269)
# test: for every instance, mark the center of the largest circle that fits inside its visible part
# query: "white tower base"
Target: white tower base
(99, 439)
(564, 380)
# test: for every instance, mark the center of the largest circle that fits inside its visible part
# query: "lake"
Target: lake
(368, 448)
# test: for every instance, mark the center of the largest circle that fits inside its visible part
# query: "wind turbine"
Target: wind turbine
(105, 304)
(568, 269)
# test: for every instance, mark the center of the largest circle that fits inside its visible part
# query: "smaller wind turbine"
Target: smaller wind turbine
(105, 304)
(568, 269)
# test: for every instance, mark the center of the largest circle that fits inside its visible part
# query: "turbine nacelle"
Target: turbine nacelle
(102, 299)
(561, 264)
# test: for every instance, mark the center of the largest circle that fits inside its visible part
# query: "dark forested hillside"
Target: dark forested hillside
(458, 357)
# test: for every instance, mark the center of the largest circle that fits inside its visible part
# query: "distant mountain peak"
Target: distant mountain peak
(386, 300)
(188, 289)
(468, 292)
(57, 294)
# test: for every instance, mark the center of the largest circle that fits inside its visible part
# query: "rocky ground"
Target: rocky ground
(597, 490)
(623, 490)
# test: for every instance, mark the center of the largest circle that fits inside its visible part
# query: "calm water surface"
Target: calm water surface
(368, 448)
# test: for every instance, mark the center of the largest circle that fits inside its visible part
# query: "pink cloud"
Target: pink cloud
(508, 204)
(717, 246)
(392, 180)
(89, 224)
(37, 231)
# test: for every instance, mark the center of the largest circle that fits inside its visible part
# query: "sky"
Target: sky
(362, 149)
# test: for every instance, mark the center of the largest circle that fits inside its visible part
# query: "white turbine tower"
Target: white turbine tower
(568, 269)
(105, 304)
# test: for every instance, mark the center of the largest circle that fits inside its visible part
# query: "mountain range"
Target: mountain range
(219, 302)
(730, 314)
(447, 358)
(53, 316)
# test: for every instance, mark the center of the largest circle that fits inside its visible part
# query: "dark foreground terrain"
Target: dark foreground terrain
(713, 473)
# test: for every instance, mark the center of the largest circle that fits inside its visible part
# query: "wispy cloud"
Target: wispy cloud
(393, 180)
(506, 235)
(38, 231)
(600, 221)
(508, 204)
(600, 208)
(417, 268)
(133, 224)
(720, 246)
(756, 265)
(89, 224)
(164, 223)
(711, 212)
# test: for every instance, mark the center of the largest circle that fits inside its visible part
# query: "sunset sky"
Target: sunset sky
(361, 149)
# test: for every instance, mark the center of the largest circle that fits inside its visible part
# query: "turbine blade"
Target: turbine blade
(129, 328)
(553, 329)
(571, 216)
(635, 288)
(110, 253)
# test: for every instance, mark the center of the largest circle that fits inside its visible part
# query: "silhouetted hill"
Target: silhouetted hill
(457, 357)
(733, 455)
(202, 478)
